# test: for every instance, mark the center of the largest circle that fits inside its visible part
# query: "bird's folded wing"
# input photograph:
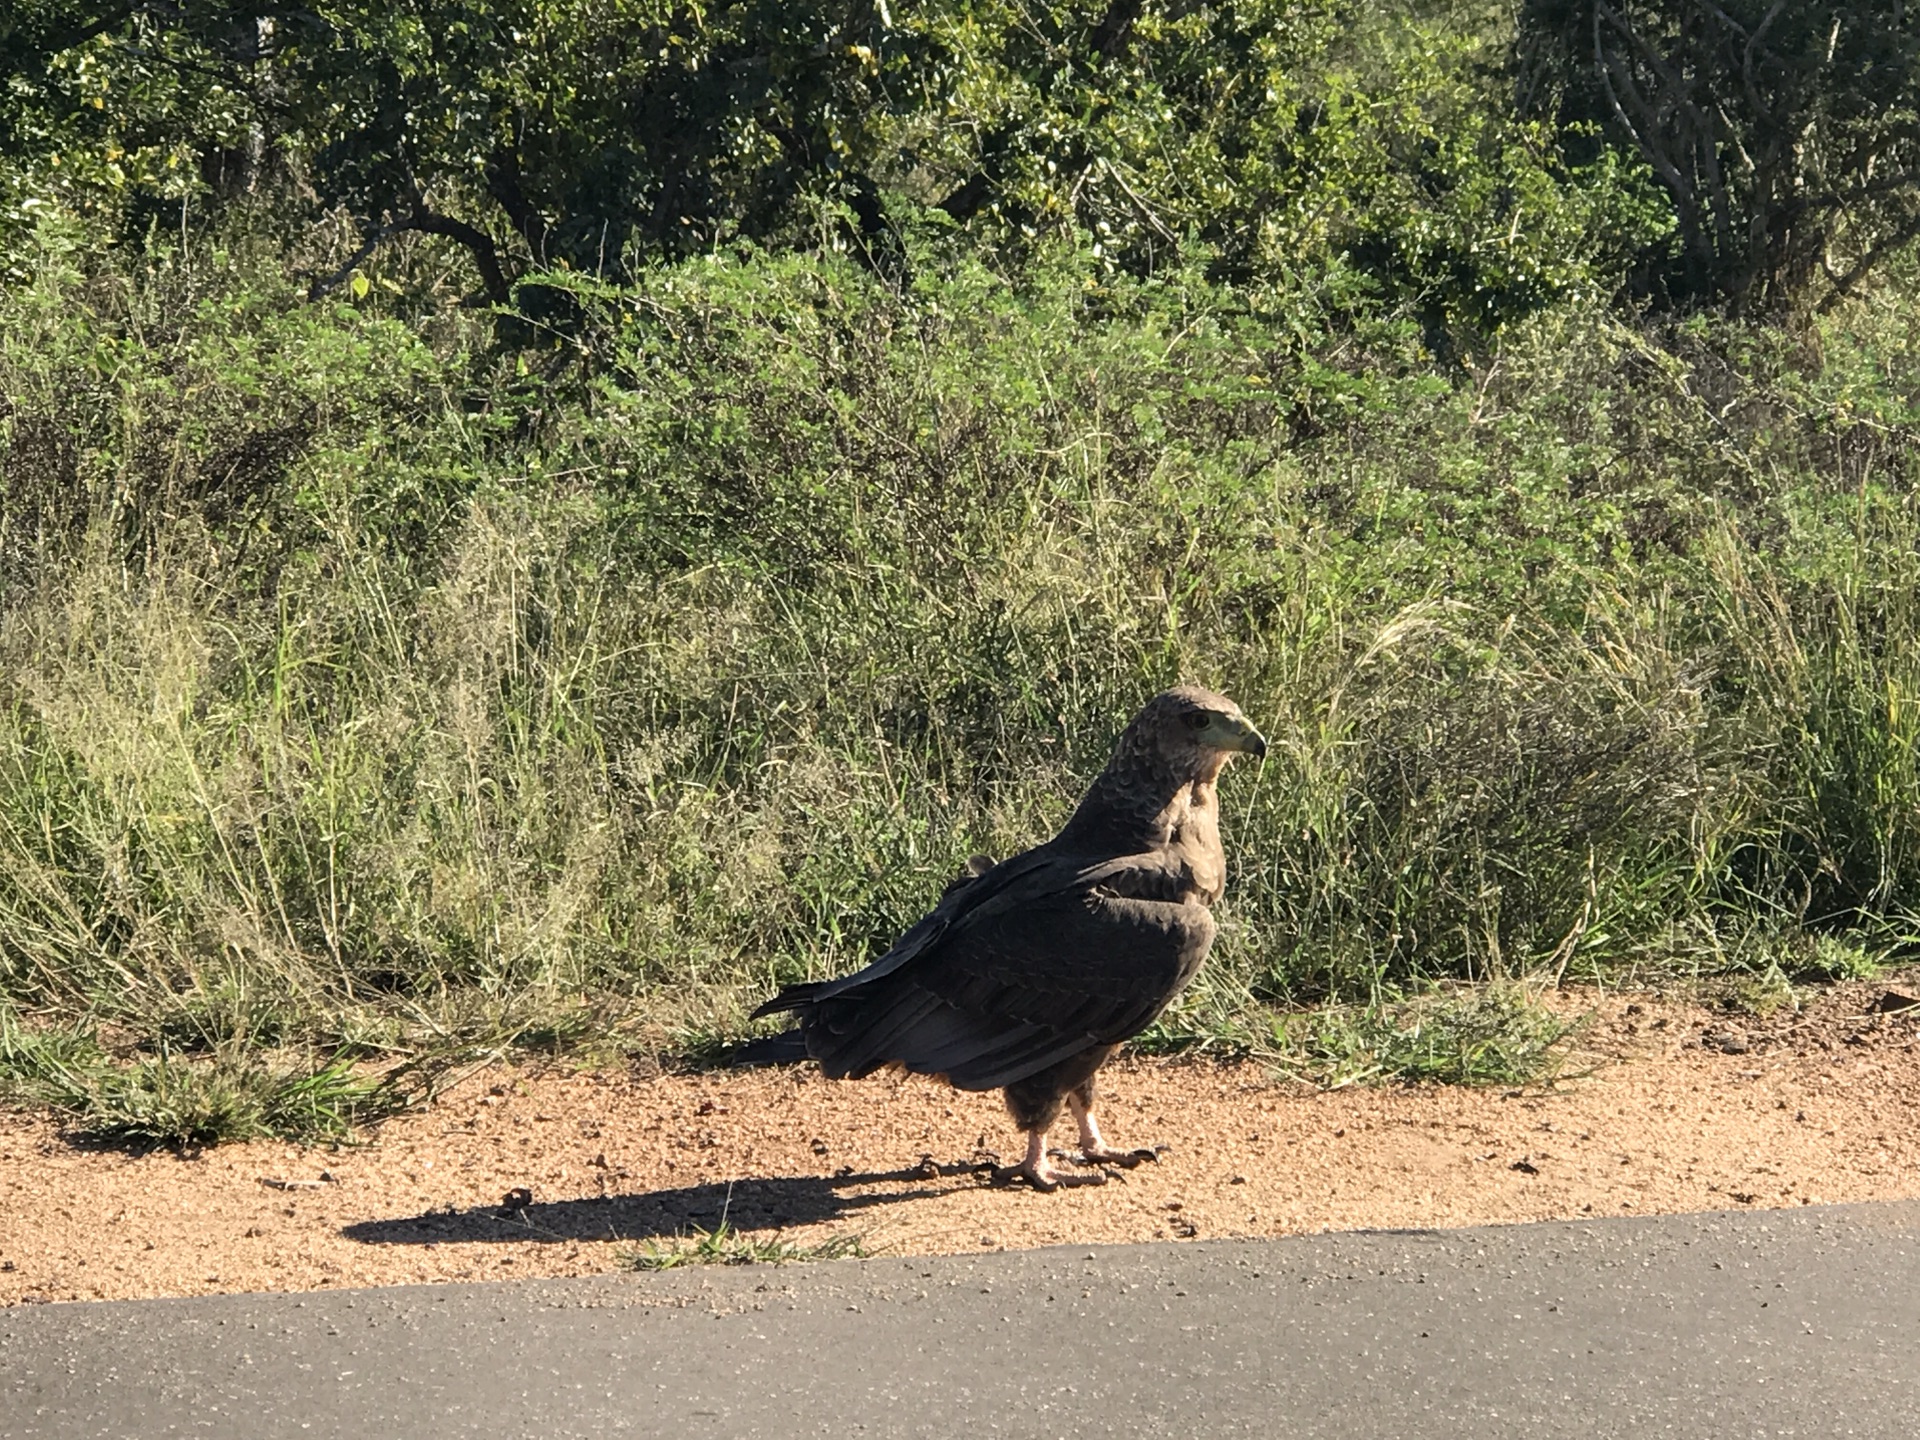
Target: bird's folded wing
(1017, 883)
(1020, 983)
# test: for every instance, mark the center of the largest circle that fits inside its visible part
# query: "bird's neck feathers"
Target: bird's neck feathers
(1140, 800)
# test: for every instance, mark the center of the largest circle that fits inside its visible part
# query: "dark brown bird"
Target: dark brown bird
(1027, 975)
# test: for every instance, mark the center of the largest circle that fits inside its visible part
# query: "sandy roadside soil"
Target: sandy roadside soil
(1685, 1110)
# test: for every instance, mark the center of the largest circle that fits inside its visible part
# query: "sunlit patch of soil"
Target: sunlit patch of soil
(1683, 1109)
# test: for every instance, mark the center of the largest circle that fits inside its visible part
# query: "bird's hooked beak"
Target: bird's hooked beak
(1237, 734)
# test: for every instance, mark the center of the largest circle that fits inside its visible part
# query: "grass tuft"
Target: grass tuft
(1496, 1036)
(1834, 959)
(724, 1245)
(177, 1101)
(184, 1100)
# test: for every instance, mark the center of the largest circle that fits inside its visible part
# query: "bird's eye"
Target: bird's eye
(1195, 719)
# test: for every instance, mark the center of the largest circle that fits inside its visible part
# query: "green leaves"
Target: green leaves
(1292, 145)
(1306, 144)
(590, 135)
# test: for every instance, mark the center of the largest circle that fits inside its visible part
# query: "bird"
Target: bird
(1029, 973)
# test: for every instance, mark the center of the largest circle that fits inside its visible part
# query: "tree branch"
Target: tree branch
(503, 184)
(32, 53)
(486, 255)
(1109, 39)
(1702, 142)
(1843, 286)
(1644, 130)
(326, 285)
(1840, 199)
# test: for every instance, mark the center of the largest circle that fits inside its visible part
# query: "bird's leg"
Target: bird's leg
(1094, 1149)
(1035, 1169)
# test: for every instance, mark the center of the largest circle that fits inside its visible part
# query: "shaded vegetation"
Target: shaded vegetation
(1782, 130)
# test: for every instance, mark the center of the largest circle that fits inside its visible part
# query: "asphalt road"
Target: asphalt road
(1798, 1323)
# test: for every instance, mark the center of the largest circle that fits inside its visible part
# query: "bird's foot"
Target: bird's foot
(1125, 1159)
(1037, 1168)
(1042, 1177)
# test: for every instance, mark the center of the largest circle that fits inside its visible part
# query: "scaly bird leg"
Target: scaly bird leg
(1094, 1149)
(1037, 1171)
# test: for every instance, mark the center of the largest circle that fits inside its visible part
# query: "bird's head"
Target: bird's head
(1180, 738)
(1193, 732)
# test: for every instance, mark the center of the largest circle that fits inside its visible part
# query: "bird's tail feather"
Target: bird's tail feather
(790, 998)
(782, 1049)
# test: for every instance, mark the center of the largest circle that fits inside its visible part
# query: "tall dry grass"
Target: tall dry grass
(369, 694)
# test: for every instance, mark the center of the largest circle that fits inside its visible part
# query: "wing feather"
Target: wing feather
(1015, 984)
(983, 895)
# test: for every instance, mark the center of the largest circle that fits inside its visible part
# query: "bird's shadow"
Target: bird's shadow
(749, 1204)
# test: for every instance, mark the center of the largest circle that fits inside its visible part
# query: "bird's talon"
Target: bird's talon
(1125, 1159)
(1042, 1180)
